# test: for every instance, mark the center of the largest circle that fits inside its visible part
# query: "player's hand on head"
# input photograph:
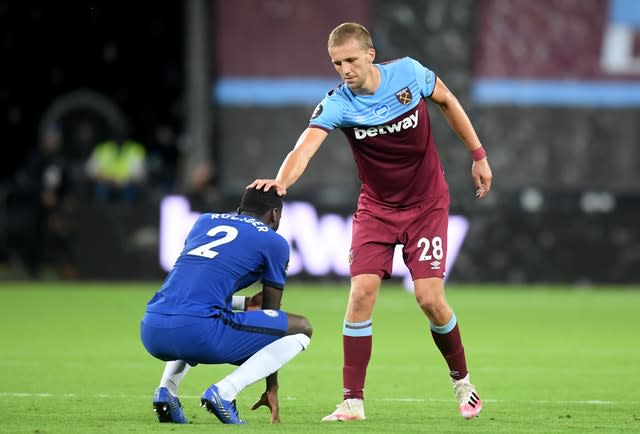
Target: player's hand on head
(269, 399)
(482, 177)
(267, 184)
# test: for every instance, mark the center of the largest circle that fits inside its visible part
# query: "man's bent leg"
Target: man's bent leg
(220, 397)
(263, 363)
(258, 340)
(446, 335)
(443, 323)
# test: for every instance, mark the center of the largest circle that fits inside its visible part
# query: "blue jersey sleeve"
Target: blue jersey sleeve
(276, 262)
(425, 78)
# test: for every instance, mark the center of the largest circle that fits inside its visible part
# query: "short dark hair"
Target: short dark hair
(259, 202)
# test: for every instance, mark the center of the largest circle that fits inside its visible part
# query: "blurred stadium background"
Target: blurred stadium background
(217, 93)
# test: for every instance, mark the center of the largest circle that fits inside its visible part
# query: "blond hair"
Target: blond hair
(346, 31)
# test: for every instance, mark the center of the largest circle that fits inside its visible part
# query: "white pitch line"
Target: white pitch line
(99, 395)
(293, 398)
(535, 401)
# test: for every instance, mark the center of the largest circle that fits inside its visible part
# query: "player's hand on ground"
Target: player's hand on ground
(482, 177)
(270, 399)
(254, 302)
(267, 184)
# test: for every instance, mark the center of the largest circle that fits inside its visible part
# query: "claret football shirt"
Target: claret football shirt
(389, 133)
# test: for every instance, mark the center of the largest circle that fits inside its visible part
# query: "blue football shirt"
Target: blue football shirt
(223, 253)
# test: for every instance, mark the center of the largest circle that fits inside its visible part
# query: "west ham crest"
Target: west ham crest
(404, 96)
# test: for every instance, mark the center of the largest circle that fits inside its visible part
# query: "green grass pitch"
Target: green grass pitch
(544, 359)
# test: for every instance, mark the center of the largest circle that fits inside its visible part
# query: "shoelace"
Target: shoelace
(463, 392)
(344, 407)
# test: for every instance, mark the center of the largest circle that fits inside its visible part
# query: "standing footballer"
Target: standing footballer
(404, 198)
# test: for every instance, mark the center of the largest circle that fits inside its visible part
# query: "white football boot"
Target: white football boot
(349, 409)
(468, 400)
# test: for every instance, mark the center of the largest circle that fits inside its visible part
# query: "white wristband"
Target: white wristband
(237, 302)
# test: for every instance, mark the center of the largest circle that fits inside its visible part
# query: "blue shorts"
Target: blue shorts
(227, 337)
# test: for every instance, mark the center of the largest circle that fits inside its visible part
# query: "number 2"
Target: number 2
(206, 250)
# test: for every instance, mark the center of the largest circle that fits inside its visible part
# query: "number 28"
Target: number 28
(431, 249)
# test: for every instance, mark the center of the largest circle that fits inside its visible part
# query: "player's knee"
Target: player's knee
(300, 324)
(429, 294)
(362, 297)
(429, 302)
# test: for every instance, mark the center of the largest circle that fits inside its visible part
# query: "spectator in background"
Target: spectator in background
(118, 170)
(47, 187)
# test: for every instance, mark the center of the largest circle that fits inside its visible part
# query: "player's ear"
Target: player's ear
(274, 216)
(372, 54)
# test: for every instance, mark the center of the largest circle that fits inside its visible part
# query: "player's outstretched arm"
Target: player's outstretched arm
(294, 163)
